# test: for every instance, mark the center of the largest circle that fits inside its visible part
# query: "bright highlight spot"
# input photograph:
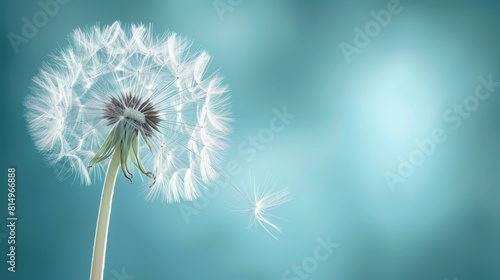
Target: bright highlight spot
(394, 116)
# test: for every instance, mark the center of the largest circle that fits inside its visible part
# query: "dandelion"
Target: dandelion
(140, 104)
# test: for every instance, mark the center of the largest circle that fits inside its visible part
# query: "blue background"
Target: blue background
(353, 122)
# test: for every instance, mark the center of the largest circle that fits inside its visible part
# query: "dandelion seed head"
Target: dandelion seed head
(123, 86)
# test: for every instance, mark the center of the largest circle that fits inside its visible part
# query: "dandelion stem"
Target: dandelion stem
(101, 235)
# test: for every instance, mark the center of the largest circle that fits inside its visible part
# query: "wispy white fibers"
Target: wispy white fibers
(263, 198)
(148, 99)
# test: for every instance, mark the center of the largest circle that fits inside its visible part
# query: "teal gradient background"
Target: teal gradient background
(353, 122)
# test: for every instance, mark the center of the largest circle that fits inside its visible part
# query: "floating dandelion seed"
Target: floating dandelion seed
(125, 97)
(263, 198)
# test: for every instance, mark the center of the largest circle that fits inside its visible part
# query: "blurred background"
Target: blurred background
(363, 94)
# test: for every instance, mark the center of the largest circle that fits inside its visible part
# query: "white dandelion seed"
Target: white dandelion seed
(263, 198)
(125, 97)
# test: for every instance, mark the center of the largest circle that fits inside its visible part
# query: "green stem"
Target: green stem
(101, 235)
